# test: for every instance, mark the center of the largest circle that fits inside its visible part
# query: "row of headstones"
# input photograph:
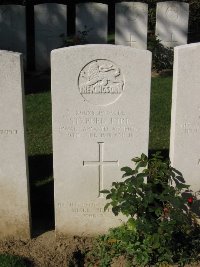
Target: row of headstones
(131, 23)
(100, 108)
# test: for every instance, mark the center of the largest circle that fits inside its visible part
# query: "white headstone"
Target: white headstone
(100, 101)
(131, 24)
(92, 19)
(50, 25)
(13, 28)
(172, 23)
(185, 118)
(14, 191)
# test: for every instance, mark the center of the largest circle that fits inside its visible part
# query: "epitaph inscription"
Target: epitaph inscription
(86, 210)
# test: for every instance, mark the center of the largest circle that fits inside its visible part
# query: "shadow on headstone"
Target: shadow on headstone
(172, 23)
(50, 24)
(131, 24)
(13, 28)
(92, 19)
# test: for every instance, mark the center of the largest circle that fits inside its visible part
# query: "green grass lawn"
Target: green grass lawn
(38, 123)
(160, 115)
(11, 261)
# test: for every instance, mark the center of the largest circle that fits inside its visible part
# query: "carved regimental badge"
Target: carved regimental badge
(101, 82)
(133, 12)
(172, 12)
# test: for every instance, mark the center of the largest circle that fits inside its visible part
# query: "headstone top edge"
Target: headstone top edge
(174, 2)
(40, 4)
(12, 5)
(7, 52)
(93, 3)
(126, 2)
(187, 46)
(100, 46)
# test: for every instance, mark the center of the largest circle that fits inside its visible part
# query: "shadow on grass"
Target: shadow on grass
(41, 193)
(37, 82)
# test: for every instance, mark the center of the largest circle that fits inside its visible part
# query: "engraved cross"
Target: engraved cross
(131, 41)
(172, 41)
(101, 163)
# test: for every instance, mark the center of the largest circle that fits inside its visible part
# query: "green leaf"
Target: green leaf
(138, 181)
(105, 191)
(126, 175)
(141, 175)
(155, 241)
(181, 186)
(116, 210)
(136, 159)
(158, 211)
(127, 170)
(131, 225)
(106, 206)
(177, 172)
(143, 157)
(109, 196)
(141, 164)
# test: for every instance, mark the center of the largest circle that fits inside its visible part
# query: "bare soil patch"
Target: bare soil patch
(47, 251)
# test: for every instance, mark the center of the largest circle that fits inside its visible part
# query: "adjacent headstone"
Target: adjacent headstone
(92, 22)
(100, 102)
(185, 122)
(13, 28)
(14, 191)
(172, 23)
(131, 24)
(50, 31)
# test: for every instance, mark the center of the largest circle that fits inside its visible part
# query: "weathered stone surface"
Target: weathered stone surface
(13, 28)
(131, 24)
(100, 101)
(50, 31)
(14, 191)
(172, 23)
(185, 122)
(92, 18)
